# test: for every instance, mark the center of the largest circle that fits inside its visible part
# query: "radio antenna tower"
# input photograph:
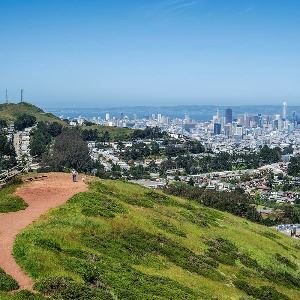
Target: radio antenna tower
(22, 95)
(6, 96)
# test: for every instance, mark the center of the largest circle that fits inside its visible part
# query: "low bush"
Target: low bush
(223, 251)
(25, 295)
(281, 277)
(247, 261)
(196, 217)
(133, 246)
(270, 235)
(169, 227)
(99, 205)
(7, 283)
(262, 293)
(67, 289)
(138, 200)
(48, 244)
(286, 261)
(160, 198)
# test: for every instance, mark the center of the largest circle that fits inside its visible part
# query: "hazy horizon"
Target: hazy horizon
(160, 52)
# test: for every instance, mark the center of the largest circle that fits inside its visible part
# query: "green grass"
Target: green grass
(7, 283)
(121, 241)
(22, 295)
(9, 112)
(116, 133)
(10, 202)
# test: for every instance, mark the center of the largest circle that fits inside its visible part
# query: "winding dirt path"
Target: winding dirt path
(41, 196)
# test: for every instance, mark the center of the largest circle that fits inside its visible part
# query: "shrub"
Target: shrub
(197, 218)
(66, 288)
(48, 244)
(262, 293)
(160, 198)
(169, 227)
(138, 200)
(247, 261)
(286, 261)
(24, 294)
(132, 246)
(223, 251)
(7, 283)
(280, 277)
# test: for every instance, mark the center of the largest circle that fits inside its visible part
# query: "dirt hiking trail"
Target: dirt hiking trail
(40, 196)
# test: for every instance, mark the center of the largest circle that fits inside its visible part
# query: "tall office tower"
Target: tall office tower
(218, 113)
(241, 119)
(228, 130)
(159, 116)
(239, 130)
(216, 118)
(284, 110)
(295, 118)
(107, 117)
(247, 120)
(260, 121)
(217, 128)
(228, 116)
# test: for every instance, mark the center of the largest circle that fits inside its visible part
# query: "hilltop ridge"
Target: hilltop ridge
(10, 111)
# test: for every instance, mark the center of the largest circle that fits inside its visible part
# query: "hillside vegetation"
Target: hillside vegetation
(7, 283)
(121, 241)
(9, 201)
(10, 112)
(115, 133)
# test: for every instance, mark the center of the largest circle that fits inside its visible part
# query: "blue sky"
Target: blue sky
(155, 52)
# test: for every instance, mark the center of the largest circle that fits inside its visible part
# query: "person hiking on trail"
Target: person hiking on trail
(74, 175)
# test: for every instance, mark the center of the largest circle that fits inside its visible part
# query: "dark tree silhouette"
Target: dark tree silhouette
(69, 151)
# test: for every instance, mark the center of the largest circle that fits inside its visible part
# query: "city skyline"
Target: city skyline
(161, 52)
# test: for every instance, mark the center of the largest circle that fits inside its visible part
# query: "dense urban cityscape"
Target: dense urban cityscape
(250, 152)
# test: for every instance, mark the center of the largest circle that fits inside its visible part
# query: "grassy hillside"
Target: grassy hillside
(116, 133)
(9, 112)
(121, 241)
(9, 201)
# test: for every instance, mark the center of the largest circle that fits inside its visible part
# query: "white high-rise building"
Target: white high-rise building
(284, 110)
(107, 116)
(159, 118)
(216, 118)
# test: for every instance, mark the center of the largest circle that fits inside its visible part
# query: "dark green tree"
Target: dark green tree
(69, 151)
(24, 121)
(294, 166)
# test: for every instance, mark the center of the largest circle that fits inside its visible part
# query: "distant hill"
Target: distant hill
(11, 111)
(122, 241)
(116, 133)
